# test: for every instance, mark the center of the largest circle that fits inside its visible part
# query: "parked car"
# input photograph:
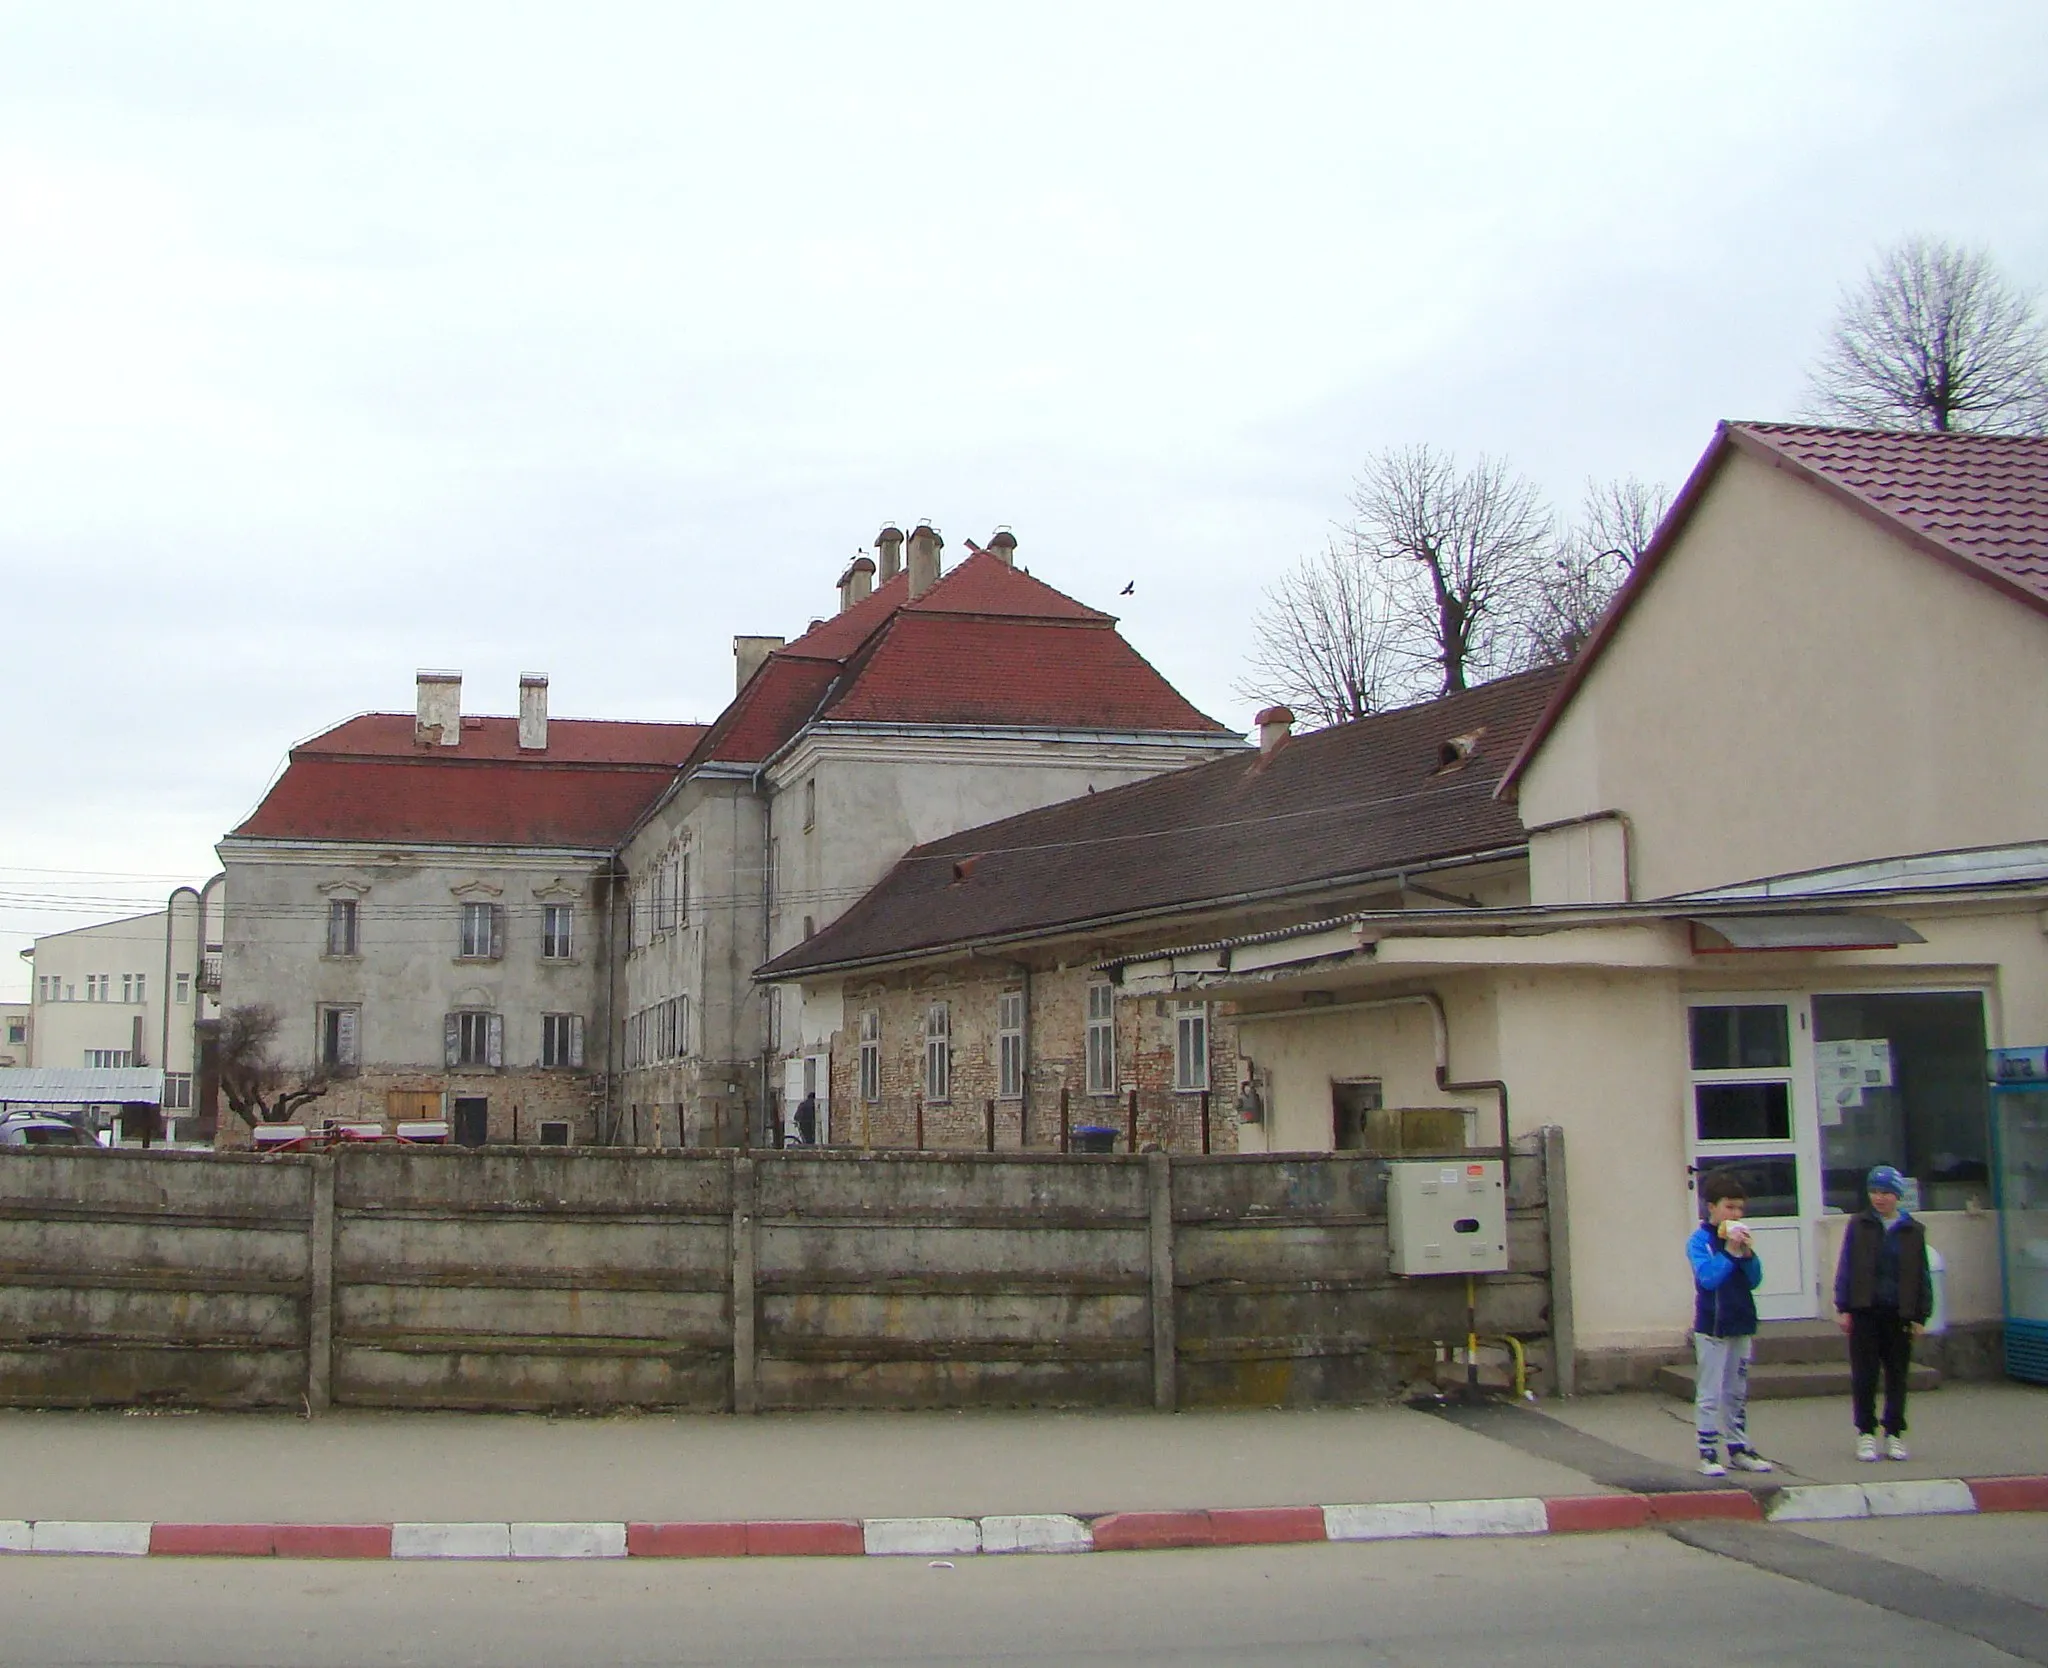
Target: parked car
(39, 1129)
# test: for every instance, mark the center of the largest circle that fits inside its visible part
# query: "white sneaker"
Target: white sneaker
(1866, 1447)
(1895, 1448)
(1747, 1459)
(1711, 1467)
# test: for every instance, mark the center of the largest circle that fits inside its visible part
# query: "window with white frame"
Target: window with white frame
(1191, 1047)
(339, 1033)
(482, 935)
(871, 1055)
(561, 1039)
(810, 804)
(96, 986)
(17, 1031)
(1101, 1039)
(108, 1059)
(683, 890)
(938, 1052)
(659, 922)
(1010, 1045)
(177, 1091)
(341, 926)
(131, 987)
(557, 932)
(184, 987)
(471, 1037)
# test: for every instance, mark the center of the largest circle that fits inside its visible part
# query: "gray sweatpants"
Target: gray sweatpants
(1720, 1399)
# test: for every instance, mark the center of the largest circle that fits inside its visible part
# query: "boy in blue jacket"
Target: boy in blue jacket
(1725, 1275)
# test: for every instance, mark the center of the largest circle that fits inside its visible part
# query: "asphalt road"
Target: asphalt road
(1640, 1600)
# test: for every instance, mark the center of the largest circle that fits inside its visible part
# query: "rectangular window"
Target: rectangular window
(774, 1016)
(775, 876)
(128, 988)
(938, 1052)
(17, 1032)
(97, 985)
(661, 883)
(341, 926)
(810, 804)
(1102, 1039)
(471, 1038)
(340, 1027)
(871, 1056)
(1191, 1047)
(482, 935)
(177, 1091)
(184, 987)
(558, 932)
(561, 1040)
(682, 889)
(1010, 1045)
(1901, 1080)
(107, 1059)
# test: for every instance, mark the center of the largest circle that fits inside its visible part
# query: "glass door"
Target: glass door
(1749, 1113)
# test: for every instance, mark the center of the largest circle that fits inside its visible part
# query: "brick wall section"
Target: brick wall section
(1056, 1045)
(527, 1096)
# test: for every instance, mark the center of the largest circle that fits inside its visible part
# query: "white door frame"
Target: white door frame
(1787, 1245)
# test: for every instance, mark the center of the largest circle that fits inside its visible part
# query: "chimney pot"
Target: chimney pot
(748, 655)
(437, 709)
(1004, 547)
(925, 545)
(857, 583)
(533, 713)
(1275, 724)
(890, 543)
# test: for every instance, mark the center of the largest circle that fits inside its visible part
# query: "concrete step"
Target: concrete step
(1782, 1380)
(1801, 1341)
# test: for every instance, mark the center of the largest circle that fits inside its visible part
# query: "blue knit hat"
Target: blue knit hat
(1884, 1179)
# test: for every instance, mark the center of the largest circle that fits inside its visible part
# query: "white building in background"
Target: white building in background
(17, 1022)
(128, 993)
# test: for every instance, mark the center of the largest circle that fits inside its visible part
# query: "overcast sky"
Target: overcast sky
(337, 341)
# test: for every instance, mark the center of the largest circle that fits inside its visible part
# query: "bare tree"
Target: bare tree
(258, 1089)
(1325, 641)
(1592, 561)
(1935, 338)
(1468, 549)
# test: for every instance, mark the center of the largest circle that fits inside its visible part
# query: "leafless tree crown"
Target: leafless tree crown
(1935, 337)
(1443, 578)
(257, 1088)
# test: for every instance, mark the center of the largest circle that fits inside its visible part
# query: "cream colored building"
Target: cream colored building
(1788, 868)
(125, 993)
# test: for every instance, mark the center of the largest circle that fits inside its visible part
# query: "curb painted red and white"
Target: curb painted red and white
(1046, 1532)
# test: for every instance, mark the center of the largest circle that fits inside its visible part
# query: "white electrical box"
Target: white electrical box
(1448, 1216)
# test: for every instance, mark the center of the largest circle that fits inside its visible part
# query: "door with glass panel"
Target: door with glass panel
(1749, 1112)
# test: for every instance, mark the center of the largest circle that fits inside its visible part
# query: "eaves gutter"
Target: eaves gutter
(1052, 931)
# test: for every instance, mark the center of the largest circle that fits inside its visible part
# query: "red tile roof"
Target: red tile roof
(1978, 502)
(1322, 811)
(987, 645)
(368, 780)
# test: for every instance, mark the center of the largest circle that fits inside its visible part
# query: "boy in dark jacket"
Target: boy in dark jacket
(1884, 1293)
(1725, 1276)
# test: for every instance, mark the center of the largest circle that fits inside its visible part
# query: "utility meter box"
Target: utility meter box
(1448, 1216)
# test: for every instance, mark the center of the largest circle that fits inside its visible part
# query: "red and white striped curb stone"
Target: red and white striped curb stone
(1045, 1532)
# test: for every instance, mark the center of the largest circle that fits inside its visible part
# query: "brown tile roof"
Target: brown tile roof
(1978, 502)
(368, 780)
(1335, 805)
(987, 645)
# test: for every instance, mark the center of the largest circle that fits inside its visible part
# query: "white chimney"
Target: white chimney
(437, 712)
(1275, 724)
(533, 713)
(1003, 547)
(890, 543)
(749, 653)
(925, 545)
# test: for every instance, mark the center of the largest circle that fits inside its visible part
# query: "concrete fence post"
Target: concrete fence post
(1557, 1233)
(1165, 1339)
(744, 1396)
(320, 1286)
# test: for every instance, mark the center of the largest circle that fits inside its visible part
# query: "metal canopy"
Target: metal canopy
(1718, 934)
(80, 1086)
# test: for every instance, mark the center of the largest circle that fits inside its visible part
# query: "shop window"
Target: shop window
(1900, 1078)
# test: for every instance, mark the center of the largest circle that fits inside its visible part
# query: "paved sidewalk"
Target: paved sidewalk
(384, 1468)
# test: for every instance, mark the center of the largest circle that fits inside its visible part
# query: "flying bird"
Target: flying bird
(1128, 589)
